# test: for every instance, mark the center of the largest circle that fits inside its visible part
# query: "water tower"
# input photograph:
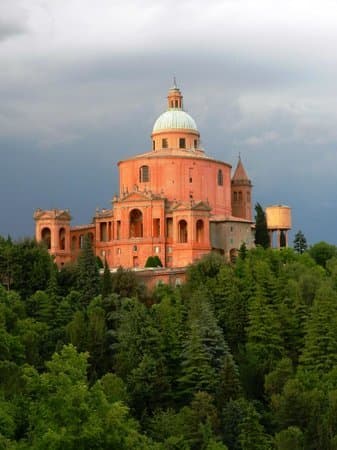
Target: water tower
(279, 222)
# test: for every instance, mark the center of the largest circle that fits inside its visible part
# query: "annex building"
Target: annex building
(174, 202)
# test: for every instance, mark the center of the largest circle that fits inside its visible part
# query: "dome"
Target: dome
(176, 119)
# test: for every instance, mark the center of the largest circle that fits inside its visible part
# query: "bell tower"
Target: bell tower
(241, 188)
(53, 228)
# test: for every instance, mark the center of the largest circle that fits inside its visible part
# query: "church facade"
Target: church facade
(174, 202)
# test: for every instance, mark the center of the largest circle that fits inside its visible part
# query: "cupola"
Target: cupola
(175, 129)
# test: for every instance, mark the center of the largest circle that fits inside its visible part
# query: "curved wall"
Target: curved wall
(180, 178)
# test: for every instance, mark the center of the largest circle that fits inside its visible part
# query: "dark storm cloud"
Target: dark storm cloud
(77, 95)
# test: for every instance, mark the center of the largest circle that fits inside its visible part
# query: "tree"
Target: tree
(261, 230)
(88, 274)
(106, 281)
(322, 252)
(300, 242)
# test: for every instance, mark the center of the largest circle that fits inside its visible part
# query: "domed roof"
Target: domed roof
(176, 119)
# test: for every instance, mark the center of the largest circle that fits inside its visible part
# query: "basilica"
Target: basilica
(174, 202)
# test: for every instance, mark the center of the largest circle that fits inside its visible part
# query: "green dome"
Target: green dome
(176, 119)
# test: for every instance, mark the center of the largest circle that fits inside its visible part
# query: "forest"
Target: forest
(243, 356)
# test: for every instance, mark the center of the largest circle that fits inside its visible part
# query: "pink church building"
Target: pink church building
(174, 202)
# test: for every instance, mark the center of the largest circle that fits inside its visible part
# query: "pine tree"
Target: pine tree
(106, 281)
(88, 275)
(261, 231)
(320, 342)
(300, 242)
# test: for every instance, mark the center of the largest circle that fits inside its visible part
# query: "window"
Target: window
(240, 196)
(46, 237)
(235, 196)
(182, 231)
(103, 232)
(73, 242)
(135, 248)
(169, 228)
(81, 240)
(156, 228)
(144, 174)
(118, 251)
(164, 143)
(118, 233)
(62, 238)
(156, 249)
(200, 230)
(182, 143)
(153, 145)
(195, 143)
(220, 178)
(176, 103)
(190, 173)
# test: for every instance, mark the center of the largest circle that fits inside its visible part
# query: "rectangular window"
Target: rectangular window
(182, 143)
(118, 234)
(156, 228)
(164, 143)
(169, 228)
(153, 145)
(190, 173)
(195, 143)
(144, 174)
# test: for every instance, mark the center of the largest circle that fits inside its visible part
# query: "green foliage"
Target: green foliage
(322, 252)
(106, 281)
(300, 242)
(242, 356)
(88, 275)
(153, 261)
(126, 284)
(261, 231)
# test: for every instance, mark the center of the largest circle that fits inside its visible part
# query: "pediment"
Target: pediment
(54, 214)
(134, 197)
(201, 206)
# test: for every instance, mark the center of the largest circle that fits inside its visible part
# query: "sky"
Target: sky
(82, 83)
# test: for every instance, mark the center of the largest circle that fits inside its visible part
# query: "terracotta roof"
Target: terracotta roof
(240, 173)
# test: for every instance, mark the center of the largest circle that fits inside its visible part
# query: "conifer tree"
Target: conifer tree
(261, 231)
(88, 275)
(300, 242)
(320, 342)
(106, 281)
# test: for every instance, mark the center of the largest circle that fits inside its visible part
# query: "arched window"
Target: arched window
(136, 223)
(46, 237)
(220, 178)
(200, 230)
(144, 174)
(73, 242)
(62, 239)
(182, 231)
(81, 240)
(91, 237)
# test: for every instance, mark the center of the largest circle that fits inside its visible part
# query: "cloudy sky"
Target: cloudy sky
(82, 82)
